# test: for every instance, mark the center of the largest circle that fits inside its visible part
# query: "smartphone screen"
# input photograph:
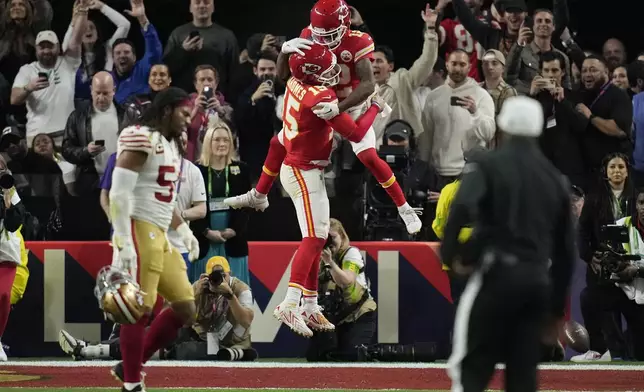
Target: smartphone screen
(99, 142)
(43, 75)
(194, 33)
(454, 101)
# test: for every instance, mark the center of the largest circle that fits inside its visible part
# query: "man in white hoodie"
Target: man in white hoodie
(457, 116)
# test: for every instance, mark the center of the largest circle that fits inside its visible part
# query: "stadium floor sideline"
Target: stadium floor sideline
(55, 376)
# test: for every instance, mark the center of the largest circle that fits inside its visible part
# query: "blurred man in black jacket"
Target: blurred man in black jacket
(564, 127)
(520, 206)
(255, 114)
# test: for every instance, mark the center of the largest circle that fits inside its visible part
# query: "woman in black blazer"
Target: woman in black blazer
(223, 231)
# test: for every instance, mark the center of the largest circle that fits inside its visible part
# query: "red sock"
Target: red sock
(307, 254)
(132, 336)
(312, 279)
(272, 164)
(162, 332)
(383, 174)
(7, 275)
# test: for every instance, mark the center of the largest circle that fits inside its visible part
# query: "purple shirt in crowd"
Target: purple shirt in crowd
(106, 180)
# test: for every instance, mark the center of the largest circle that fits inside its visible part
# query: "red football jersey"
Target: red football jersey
(354, 47)
(307, 138)
(457, 37)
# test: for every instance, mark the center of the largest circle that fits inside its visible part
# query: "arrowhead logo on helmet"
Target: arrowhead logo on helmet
(311, 69)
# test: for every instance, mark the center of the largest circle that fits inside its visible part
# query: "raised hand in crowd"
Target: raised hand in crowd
(268, 42)
(525, 36)
(95, 5)
(442, 4)
(192, 44)
(356, 18)
(429, 16)
(138, 9)
(264, 90)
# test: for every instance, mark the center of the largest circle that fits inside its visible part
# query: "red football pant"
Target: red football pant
(7, 275)
(383, 174)
(272, 164)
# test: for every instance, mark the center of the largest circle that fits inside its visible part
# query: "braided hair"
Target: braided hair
(161, 109)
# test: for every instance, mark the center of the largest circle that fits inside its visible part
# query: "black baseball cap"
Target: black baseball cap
(398, 129)
(10, 135)
(513, 6)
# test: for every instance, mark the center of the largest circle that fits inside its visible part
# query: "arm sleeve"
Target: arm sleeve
(15, 214)
(246, 299)
(622, 113)
(68, 37)
(354, 131)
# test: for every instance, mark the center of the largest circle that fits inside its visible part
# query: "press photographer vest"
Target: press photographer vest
(339, 303)
(238, 336)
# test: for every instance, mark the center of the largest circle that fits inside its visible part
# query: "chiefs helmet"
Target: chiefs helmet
(330, 20)
(317, 67)
(119, 296)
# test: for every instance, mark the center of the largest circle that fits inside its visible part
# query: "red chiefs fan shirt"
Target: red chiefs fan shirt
(457, 37)
(354, 47)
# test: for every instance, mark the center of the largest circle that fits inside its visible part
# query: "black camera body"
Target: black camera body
(216, 277)
(613, 257)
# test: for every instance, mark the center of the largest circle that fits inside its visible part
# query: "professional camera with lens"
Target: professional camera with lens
(612, 255)
(216, 277)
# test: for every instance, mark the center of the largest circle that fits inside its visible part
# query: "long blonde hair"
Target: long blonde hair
(337, 226)
(206, 148)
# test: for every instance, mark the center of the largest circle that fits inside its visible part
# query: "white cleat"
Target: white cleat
(592, 356)
(411, 219)
(70, 345)
(291, 316)
(3, 355)
(250, 199)
(315, 320)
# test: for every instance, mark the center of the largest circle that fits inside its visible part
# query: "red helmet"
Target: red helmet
(317, 67)
(330, 20)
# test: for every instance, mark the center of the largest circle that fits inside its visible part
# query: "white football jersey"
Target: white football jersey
(154, 193)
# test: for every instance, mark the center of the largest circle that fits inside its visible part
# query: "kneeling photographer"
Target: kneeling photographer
(346, 300)
(621, 264)
(224, 315)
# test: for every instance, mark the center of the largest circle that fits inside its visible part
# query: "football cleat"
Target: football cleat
(411, 219)
(138, 388)
(291, 316)
(592, 356)
(70, 345)
(250, 199)
(119, 374)
(3, 355)
(315, 320)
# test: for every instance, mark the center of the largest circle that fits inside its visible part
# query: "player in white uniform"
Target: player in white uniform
(142, 204)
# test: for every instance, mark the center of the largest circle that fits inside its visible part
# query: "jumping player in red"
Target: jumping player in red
(308, 140)
(330, 21)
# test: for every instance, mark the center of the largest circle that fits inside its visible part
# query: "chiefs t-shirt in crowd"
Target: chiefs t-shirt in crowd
(455, 36)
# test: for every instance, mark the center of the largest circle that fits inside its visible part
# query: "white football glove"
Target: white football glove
(296, 45)
(126, 257)
(326, 110)
(189, 241)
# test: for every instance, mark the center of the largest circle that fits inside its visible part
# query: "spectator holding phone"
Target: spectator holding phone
(458, 116)
(209, 107)
(201, 42)
(564, 126)
(535, 38)
(91, 134)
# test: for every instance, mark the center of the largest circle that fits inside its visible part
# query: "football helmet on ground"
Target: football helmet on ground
(119, 296)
